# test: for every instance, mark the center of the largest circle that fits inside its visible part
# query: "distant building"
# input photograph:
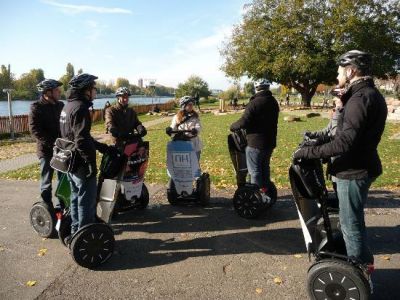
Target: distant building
(215, 92)
(140, 83)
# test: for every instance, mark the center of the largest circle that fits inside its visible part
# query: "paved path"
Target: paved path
(184, 252)
(31, 158)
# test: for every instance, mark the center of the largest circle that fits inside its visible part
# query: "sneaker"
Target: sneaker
(265, 198)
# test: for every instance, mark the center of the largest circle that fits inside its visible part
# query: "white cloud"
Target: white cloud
(76, 9)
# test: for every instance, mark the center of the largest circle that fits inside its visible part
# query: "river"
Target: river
(21, 107)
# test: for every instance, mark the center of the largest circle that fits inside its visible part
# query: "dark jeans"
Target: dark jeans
(83, 199)
(46, 176)
(352, 196)
(258, 166)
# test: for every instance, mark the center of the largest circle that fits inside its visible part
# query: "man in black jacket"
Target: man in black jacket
(75, 125)
(355, 143)
(45, 127)
(260, 119)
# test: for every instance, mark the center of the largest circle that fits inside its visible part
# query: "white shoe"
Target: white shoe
(265, 198)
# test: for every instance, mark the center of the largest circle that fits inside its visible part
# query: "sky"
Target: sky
(166, 40)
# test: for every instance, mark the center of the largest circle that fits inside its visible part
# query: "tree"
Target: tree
(249, 89)
(65, 79)
(194, 85)
(6, 78)
(80, 71)
(121, 82)
(296, 42)
(25, 86)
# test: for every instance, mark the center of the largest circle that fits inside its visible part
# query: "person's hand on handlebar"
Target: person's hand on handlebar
(168, 130)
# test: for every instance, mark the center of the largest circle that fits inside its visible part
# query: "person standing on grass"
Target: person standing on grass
(260, 120)
(357, 163)
(44, 126)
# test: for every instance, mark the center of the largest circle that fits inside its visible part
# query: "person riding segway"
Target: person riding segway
(44, 126)
(255, 136)
(86, 231)
(183, 156)
(127, 131)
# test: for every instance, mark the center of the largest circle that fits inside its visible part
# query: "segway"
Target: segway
(333, 275)
(43, 220)
(247, 199)
(187, 183)
(133, 193)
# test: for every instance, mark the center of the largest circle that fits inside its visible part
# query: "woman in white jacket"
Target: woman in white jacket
(188, 119)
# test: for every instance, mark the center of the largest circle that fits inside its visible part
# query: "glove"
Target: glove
(91, 169)
(168, 131)
(300, 153)
(193, 131)
(141, 130)
(112, 151)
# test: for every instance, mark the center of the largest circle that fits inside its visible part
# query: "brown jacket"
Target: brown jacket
(121, 121)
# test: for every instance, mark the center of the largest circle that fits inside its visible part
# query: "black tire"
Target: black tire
(92, 245)
(43, 219)
(172, 195)
(65, 228)
(247, 202)
(334, 279)
(203, 189)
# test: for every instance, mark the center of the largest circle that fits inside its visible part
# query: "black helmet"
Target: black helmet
(82, 81)
(122, 91)
(48, 84)
(361, 60)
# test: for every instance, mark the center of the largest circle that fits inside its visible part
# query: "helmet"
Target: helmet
(185, 100)
(361, 60)
(82, 81)
(122, 91)
(262, 84)
(48, 84)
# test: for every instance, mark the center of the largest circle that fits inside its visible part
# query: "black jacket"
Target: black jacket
(44, 125)
(260, 119)
(358, 134)
(75, 125)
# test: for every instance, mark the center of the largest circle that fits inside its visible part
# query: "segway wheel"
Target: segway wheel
(42, 219)
(143, 201)
(65, 228)
(273, 194)
(172, 195)
(92, 245)
(334, 279)
(203, 188)
(247, 202)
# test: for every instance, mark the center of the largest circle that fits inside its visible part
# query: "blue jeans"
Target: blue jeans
(258, 166)
(46, 176)
(83, 199)
(352, 196)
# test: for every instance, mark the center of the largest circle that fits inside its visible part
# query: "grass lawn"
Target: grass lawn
(215, 156)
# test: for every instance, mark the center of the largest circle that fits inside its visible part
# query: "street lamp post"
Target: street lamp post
(10, 114)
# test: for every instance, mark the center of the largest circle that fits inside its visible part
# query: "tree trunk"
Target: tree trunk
(306, 98)
(306, 90)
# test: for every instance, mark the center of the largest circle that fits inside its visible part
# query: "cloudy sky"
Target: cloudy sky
(167, 40)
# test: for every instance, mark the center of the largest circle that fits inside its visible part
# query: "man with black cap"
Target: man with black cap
(354, 146)
(75, 125)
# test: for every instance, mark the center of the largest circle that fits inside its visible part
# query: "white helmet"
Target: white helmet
(262, 84)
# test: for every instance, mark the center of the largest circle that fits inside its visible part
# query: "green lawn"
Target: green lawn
(215, 157)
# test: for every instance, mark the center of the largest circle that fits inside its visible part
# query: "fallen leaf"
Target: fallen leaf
(43, 239)
(226, 268)
(298, 256)
(31, 283)
(278, 280)
(259, 291)
(42, 252)
(386, 257)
